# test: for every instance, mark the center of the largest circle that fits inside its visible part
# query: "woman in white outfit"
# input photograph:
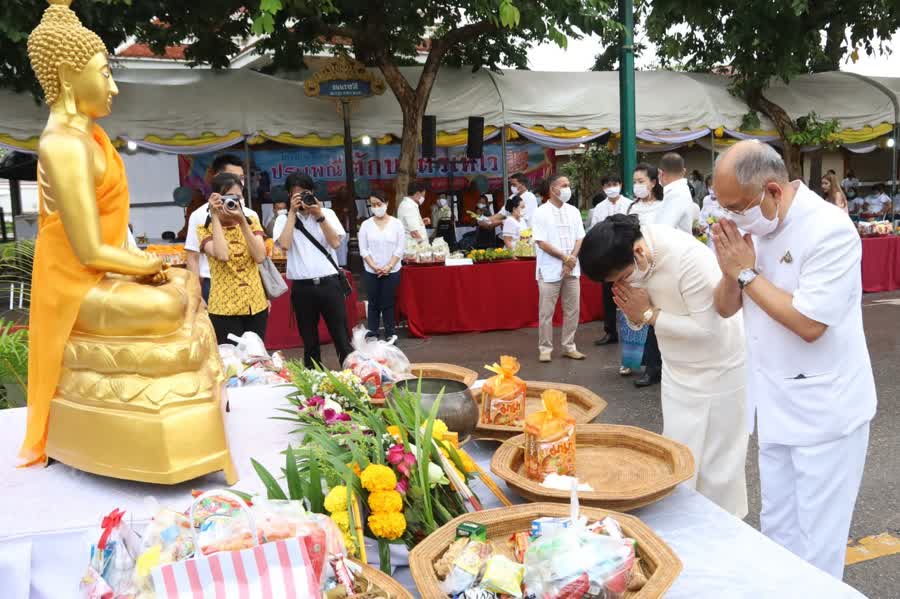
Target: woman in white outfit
(666, 278)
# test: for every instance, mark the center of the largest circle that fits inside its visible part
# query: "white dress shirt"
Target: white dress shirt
(562, 228)
(304, 260)
(192, 243)
(531, 204)
(676, 210)
(802, 393)
(607, 208)
(382, 244)
(513, 228)
(411, 218)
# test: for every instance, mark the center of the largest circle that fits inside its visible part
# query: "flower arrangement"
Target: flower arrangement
(395, 474)
(490, 255)
(700, 231)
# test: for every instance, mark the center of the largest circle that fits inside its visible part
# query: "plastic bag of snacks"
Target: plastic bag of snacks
(378, 364)
(572, 560)
(109, 573)
(168, 538)
(441, 249)
(503, 395)
(550, 438)
(412, 250)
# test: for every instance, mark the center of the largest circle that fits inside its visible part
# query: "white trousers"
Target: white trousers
(808, 496)
(712, 425)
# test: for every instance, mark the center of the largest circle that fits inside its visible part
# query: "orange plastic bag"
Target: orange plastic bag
(503, 395)
(550, 438)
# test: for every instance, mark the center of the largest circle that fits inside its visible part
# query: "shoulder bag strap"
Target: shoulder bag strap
(318, 245)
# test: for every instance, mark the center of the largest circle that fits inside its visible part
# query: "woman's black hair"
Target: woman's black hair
(652, 174)
(512, 203)
(609, 246)
(598, 197)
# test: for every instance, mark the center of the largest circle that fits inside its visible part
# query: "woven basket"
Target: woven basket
(384, 585)
(658, 562)
(627, 466)
(584, 406)
(451, 372)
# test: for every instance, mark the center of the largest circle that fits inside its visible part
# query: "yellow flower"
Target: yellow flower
(342, 519)
(350, 544)
(394, 431)
(378, 478)
(385, 501)
(336, 500)
(467, 461)
(438, 430)
(355, 468)
(390, 526)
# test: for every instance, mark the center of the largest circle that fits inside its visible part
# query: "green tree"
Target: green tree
(759, 41)
(386, 34)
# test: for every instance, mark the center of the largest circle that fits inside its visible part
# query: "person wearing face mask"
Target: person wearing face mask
(278, 209)
(519, 187)
(486, 235)
(514, 223)
(558, 231)
(614, 203)
(795, 276)
(410, 215)
(678, 200)
(650, 194)
(382, 241)
(664, 278)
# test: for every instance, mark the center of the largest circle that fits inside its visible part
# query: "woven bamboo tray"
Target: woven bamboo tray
(384, 583)
(659, 563)
(627, 466)
(444, 371)
(584, 406)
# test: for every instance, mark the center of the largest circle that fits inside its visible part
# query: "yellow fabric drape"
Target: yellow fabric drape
(59, 283)
(852, 136)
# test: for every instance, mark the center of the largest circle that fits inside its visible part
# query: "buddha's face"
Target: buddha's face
(93, 87)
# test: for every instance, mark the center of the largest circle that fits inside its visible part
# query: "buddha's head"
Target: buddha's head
(71, 63)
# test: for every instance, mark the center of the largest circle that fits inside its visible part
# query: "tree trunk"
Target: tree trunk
(409, 148)
(793, 158)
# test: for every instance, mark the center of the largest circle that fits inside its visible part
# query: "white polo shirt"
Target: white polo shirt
(677, 206)
(192, 243)
(531, 204)
(304, 260)
(607, 208)
(810, 393)
(409, 214)
(562, 228)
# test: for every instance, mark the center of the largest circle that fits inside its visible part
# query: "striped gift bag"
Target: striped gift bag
(278, 570)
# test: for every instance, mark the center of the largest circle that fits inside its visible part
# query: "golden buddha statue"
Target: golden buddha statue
(124, 373)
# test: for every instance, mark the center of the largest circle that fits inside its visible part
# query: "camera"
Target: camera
(231, 202)
(308, 198)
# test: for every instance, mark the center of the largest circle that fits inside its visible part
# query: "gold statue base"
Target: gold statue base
(146, 409)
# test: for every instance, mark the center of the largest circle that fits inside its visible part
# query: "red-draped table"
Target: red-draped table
(500, 296)
(880, 264)
(282, 331)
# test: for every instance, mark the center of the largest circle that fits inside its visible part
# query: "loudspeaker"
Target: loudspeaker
(475, 138)
(429, 136)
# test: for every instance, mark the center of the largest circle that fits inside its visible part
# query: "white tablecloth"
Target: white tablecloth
(48, 515)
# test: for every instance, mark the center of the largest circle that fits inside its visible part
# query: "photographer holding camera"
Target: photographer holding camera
(310, 233)
(234, 244)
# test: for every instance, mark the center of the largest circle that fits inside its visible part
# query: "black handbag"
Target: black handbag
(346, 287)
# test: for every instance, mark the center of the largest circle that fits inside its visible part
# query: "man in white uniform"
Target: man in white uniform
(409, 214)
(558, 231)
(615, 202)
(519, 187)
(796, 275)
(678, 199)
(196, 261)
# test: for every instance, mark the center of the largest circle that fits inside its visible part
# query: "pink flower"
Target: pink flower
(343, 417)
(402, 486)
(403, 460)
(329, 415)
(315, 402)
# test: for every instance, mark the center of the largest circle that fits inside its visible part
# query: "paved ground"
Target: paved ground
(878, 507)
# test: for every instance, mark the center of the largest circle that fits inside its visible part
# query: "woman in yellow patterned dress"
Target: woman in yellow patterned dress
(235, 246)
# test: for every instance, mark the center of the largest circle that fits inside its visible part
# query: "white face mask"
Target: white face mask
(379, 211)
(641, 191)
(639, 277)
(282, 211)
(420, 200)
(481, 206)
(753, 221)
(514, 189)
(565, 194)
(442, 202)
(613, 192)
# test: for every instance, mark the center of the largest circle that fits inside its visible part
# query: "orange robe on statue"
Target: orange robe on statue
(59, 283)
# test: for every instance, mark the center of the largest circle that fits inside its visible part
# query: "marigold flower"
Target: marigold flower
(378, 478)
(336, 500)
(385, 502)
(389, 526)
